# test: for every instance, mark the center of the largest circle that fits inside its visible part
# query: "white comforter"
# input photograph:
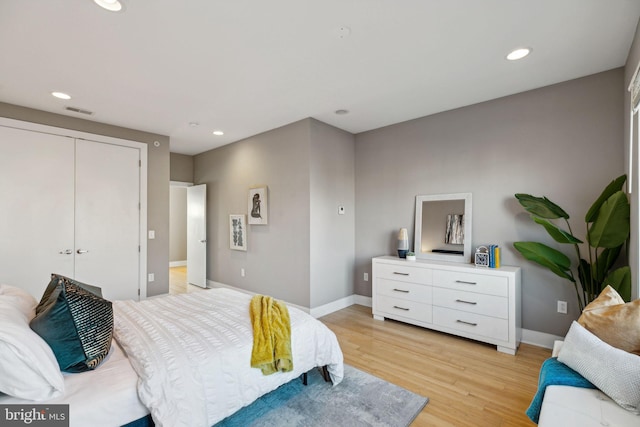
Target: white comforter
(192, 353)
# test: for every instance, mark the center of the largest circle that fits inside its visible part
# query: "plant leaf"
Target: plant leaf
(547, 257)
(613, 187)
(584, 273)
(557, 233)
(611, 226)
(541, 206)
(620, 280)
(605, 261)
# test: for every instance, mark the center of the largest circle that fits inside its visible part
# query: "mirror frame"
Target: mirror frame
(468, 221)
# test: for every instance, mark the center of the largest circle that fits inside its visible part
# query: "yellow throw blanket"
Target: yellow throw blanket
(271, 335)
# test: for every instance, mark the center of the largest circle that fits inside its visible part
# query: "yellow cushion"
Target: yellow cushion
(613, 321)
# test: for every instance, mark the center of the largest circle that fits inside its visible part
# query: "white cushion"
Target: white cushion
(20, 299)
(582, 407)
(614, 371)
(28, 368)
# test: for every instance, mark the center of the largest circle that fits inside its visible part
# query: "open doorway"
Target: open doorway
(187, 242)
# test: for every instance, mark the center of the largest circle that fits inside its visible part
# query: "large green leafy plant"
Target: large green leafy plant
(607, 231)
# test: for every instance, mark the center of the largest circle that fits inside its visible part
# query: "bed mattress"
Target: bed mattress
(192, 354)
(104, 397)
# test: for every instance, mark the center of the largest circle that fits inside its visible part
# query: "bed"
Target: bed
(183, 358)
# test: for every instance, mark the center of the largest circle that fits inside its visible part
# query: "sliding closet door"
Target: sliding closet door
(107, 235)
(36, 208)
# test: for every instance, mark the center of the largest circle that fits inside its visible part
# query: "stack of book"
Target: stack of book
(494, 256)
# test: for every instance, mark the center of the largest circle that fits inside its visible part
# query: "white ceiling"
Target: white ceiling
(248, 66)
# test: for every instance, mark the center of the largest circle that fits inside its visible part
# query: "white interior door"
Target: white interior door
(36, 208)
(197, 235)
(107, 235)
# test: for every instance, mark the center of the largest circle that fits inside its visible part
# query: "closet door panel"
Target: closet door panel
(36, 208)
(108, 218)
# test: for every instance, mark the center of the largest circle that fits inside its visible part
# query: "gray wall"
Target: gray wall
(157, 179)
(632, 62)
(277, 258)
(309, 169)
(181, 168)
(563, 141)
(332, 184)
(178, 223)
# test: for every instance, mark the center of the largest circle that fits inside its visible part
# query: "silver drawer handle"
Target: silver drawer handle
(466, 283)
(466, 323)
(66, 252)
(466, 302)
(400, 308)
(82, 251)
(400, 274)
(401, 290)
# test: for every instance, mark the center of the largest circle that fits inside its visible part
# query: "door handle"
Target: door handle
(203, 241)
(82, 251)
(66, 252)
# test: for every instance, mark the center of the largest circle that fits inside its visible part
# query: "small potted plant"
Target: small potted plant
(411, 256)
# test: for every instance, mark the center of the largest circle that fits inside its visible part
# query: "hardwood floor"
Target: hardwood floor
(178, 281)
(468, 383)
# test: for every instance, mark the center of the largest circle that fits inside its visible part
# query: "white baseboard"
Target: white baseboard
(178, 263)
(362, 300)
(316, 312)
(540, 339)
(331, 307)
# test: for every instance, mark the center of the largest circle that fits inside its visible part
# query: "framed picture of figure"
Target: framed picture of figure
(258, 208)
(237, 233)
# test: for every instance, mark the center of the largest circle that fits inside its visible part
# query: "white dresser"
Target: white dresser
(461, 299)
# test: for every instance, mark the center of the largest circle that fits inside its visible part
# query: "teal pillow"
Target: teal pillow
(76, 322)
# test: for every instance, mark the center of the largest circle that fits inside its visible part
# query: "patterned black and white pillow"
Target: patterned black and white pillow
(76, 322)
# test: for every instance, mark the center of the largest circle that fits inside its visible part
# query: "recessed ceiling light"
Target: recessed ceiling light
(341, 112)
(218, 133)
(519, 53)
(194, 124)
(61, 95)
(110, 5)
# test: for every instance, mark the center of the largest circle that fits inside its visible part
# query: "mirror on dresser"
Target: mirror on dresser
(443, 227)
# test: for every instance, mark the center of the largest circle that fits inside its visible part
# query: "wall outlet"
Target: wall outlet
(152, 277)
(340, 210)
(562, 307)
(366, 277)
(242, 272)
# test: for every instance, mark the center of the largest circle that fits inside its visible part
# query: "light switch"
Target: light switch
(152, 234)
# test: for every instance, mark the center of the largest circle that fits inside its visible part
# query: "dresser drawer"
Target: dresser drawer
(408, 309)
(402, 273)
(470, 282)
(489, 305)
(404, 290)
(472, 323)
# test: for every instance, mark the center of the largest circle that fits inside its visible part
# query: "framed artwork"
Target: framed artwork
(258, 210)
(237, 232)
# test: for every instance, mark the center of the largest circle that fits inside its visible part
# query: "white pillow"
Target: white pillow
(20, 298)
(614, 371)
(28, 368)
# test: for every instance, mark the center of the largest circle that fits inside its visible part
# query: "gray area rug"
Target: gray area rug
(359, 400)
